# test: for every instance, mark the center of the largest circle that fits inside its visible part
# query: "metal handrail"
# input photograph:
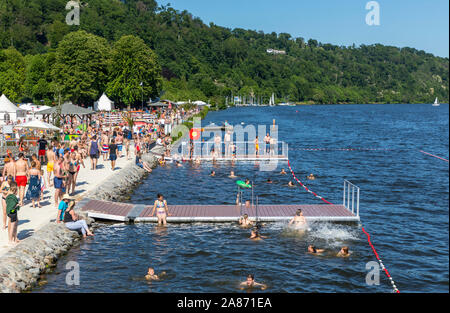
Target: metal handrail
(347, 197)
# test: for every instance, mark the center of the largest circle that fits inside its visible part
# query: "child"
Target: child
(12, 206)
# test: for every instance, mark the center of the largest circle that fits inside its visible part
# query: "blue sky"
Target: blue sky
(421, 24)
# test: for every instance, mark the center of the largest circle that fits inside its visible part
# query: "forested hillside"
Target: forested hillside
(178, 57)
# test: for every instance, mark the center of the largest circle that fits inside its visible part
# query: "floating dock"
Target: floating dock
(125, 212)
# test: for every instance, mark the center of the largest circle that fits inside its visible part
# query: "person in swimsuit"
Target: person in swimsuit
(10, 168)
(21, 176)
(79, 160)
(58, 180)
(311, 177)
(51, 157)
(313, 250)
(256, 146)
(244, 221)
(162, 211)
(152, 276)
(34, 187)
(251, 283)
(5, 189)
(255, 235)
(298, 220)
(93, 152)
(344, 252)
(283, 172)
(291, 184)
(232, 175)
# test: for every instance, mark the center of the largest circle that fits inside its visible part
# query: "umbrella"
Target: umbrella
(36, 124)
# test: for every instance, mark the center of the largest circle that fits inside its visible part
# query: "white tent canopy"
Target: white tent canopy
(36, 124)
(105, 104)
(9, 111)
(199, 102)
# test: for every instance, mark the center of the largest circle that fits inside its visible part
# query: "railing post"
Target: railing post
(348, 196)
(353, 199)
(343, 197)
(357, 203)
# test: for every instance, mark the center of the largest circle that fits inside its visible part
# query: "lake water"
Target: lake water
(404, 207)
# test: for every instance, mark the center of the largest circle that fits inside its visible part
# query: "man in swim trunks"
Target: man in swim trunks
(21, 176)
(232, 175)
(42, 147)
(256, 142)
(58, 179)
(105, 145)
(267, 142)
(251, 283)
(51, 157)
(162, 211)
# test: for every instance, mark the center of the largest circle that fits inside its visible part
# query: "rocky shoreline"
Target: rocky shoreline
(22, 267)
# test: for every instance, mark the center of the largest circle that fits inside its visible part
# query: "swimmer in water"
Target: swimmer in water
(299, 219)
(251, 283)
(152, 276)
(232, 175)
(291, 184)
(311, 177)
(255, 235)
(247, 181)
(213, 173)
(313, 250)
(269, 181)
(344, 252)
(283, 172)
(244, 221)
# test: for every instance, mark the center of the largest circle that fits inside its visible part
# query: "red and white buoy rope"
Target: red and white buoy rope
(365, 232)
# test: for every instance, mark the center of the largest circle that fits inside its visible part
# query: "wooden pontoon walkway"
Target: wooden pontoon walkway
(125, 212)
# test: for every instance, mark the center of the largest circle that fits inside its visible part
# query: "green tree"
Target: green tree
(12, 74)
(133, 63)
(81, 68)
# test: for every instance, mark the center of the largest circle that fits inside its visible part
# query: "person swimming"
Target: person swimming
(313, 250)
(283, 172)
(311, 177)
(232, 175)
(298, 220)
(213, 173)
(269, 181)
(244, 221)
(152, 276)
(291, 184)
(251, 283)
(344, 252)
(255, 235)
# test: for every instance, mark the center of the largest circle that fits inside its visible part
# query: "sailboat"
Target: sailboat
(272, 100)
(436, 102)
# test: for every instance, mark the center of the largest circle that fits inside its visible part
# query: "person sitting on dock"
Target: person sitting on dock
(162, 211)
(232, 175)
(344, 252)
(255, 235)
(142, 164)
(251, 283)
(74, 222)
(283, 172)
(313, 250)
(244, 221)
(299, 219)
(152, 276)
(291, 184)
(311, 177)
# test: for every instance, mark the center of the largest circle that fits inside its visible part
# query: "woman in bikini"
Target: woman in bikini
(162, 211)
(4, 189)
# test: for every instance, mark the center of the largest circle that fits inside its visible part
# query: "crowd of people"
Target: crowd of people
(58, 160)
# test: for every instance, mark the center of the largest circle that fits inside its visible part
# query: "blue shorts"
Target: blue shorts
(119, 147)
(140, 165)
(58, 182)
(113, 157)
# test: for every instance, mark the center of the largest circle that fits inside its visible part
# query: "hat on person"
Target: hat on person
(7, 159)
(66, 197)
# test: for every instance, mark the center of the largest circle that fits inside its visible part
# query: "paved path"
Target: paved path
(31, 219)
